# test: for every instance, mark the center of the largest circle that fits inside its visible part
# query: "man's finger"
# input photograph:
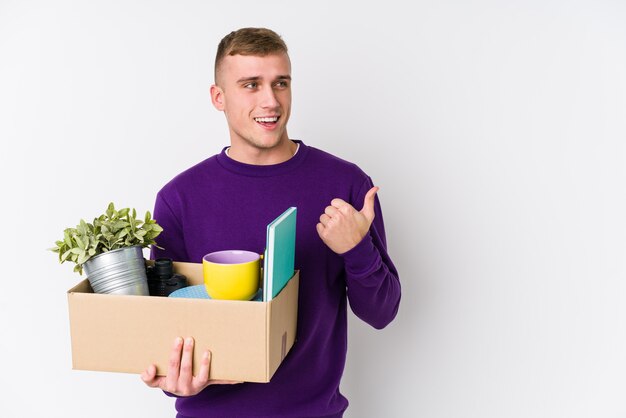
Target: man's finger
(331, 211)
(324, 219)
(368, 204)
(149, 376)
(320, 229)
(339, 203)
(173, 369)
(201, 380)
(186, 363)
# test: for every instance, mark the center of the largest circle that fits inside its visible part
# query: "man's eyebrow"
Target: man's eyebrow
(257, 78)
(253, 78)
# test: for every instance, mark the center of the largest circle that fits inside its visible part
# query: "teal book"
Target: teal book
(280, 253)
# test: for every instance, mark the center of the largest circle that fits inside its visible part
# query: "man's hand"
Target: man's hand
(180, 379)
(342, 227)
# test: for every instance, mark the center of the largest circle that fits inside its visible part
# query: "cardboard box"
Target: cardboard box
(119, 333)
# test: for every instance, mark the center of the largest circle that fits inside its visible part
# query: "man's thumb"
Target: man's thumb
(368, 204)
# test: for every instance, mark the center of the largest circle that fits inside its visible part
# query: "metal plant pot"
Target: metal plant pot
(121, 272)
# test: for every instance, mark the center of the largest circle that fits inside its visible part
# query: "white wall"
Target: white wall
(495, 130)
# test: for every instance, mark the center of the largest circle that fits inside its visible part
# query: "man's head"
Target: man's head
(258, 42)
(253, 89)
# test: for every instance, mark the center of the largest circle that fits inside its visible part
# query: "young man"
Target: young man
(226, 201)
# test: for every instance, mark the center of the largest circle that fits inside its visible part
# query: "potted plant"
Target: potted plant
(109, 249)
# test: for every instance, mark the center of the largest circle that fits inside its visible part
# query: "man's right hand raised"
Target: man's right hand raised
(180, 380)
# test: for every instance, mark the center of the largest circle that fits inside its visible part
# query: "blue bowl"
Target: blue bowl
(199, 292)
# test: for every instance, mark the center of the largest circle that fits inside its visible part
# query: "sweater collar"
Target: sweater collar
(263, 170)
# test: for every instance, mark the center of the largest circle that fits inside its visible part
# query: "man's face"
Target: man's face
(255, 94)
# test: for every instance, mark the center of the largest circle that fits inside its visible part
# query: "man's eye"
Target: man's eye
(251, 85)
(282, 84)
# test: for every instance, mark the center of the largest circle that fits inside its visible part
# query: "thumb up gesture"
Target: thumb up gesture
(342, 227)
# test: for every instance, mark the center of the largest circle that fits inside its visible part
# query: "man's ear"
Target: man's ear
(217, 97)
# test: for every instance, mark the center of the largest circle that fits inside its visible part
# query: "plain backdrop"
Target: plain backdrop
(496, 132)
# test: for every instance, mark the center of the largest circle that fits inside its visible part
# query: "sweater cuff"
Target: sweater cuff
(363, 258)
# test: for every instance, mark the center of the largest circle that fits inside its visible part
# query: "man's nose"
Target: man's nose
(268, 99)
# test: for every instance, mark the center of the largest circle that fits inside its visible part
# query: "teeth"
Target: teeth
(274, 119)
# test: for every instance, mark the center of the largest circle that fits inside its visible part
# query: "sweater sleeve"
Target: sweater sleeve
(172, 238)
(372, 280)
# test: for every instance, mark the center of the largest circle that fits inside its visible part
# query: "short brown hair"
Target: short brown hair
(249, 41)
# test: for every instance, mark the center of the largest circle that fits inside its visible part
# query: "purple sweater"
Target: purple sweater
(223, 204)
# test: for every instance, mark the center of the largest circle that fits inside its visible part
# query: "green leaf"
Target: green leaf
(82, 258)
(80, 242)
(119, 225)
(66, 237)
(65, 255)
(110, 210)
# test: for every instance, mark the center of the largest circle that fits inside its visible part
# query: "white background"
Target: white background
(495, 130)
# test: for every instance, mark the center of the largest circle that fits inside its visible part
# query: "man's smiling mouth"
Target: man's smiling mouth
(272, 119)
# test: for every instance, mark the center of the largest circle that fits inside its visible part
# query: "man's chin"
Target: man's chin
(267, 143)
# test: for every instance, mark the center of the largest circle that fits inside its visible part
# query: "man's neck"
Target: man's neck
(259, 156)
